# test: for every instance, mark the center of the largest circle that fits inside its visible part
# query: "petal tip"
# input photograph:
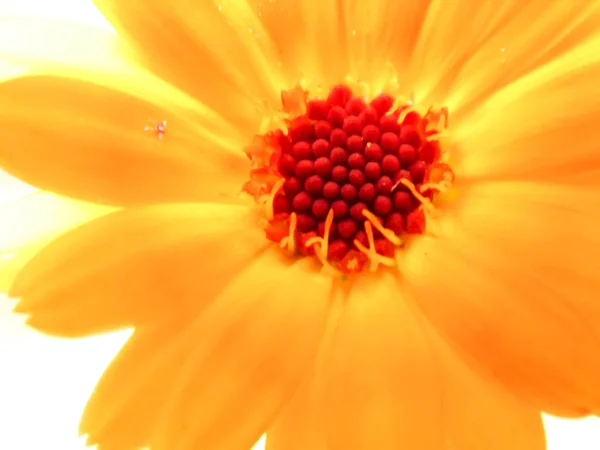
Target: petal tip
(21, 308)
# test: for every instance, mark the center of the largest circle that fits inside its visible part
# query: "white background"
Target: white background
(44, 382)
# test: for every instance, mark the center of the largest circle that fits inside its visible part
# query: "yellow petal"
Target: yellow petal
(380, 384)
(58, 47)
(324, 44)
(13, 189)
(542, 127)
(280, 22)
(89, 142)
(525, 36)
(29, 222)
(216, 52)
(511, 279)
(253, 348)
(135, 266)
(10, 70)
(74, 50)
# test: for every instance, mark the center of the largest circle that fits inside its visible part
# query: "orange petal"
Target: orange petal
(476, 413)
(298, 427)
(89, 142)
(479, 414)
(122, 411)
(29, 222)
(520, 38)
(323, 42)
(465, 63)
(511, 279)
(443, 45)
(380, 33)
(252, 350)
(135, 266)
(311, 36)
(380, 384)
(219, 53)
(542, 127)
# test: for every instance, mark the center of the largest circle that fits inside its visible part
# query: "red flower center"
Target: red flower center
(348, 179)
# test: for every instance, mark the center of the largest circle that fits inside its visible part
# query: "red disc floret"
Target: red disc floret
(349, 156)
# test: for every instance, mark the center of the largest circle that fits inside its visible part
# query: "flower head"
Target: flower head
(351, 225)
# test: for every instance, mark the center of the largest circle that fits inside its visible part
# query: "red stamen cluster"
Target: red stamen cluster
(345, 155)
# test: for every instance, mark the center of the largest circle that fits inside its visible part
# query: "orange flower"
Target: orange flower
(356, 276)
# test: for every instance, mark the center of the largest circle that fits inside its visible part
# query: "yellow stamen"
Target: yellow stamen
(323, 259)
(327, 231)
(323, 242)
(442, 186)
(432, 225)
(407, 111)
(289, 241)
(411, 187)
(439, 136)
(437, 115)
(374, 257)
(386, 232)
(263, 222)
(401, 101)
(269, 213)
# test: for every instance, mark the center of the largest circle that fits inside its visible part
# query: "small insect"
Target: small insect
(158, 128)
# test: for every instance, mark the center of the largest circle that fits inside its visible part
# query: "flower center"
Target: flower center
(348, 180)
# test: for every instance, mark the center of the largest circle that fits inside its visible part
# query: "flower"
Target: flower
(448, 328)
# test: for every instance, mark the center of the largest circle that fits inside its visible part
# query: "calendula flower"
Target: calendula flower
(353, 225)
